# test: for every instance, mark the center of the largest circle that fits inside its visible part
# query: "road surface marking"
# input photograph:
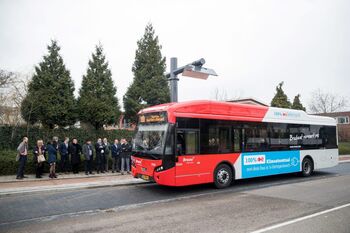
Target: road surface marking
(239, 189)
(300, 219)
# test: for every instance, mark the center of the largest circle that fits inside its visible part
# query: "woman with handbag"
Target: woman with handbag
(39, 158)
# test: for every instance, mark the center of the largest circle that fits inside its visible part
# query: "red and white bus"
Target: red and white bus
(196, 142)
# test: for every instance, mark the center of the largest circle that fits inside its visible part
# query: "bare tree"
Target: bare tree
(6, 78)
(324, 102)
(12, 94)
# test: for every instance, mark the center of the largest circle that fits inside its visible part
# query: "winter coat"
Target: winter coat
(22, 149)
(36, 153)
(52, 151)
(125, 150)
(107, 148)
(100, 150)
(64, 150)
(75, 151)
(86, 152)
(115, 150)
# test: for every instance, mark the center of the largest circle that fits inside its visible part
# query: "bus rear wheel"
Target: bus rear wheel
(222, 176)
(307, 167)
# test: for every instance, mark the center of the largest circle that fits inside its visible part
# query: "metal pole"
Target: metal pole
(173, 79)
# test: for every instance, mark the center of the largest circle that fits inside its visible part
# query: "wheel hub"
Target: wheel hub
(223, 176)
(307, 167)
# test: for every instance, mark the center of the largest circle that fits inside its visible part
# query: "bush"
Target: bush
(10, 137)
(344, 148)
(9, 165)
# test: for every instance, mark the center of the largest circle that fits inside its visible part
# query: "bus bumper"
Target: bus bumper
(145, 169)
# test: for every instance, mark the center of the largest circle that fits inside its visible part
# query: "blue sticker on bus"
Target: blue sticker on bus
(257, 164)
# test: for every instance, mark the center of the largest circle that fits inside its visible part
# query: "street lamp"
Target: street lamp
(194, 70)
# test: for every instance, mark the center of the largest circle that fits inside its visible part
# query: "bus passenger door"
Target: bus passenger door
(188, 165)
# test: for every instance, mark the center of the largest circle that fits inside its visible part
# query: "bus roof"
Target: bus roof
(207, 109)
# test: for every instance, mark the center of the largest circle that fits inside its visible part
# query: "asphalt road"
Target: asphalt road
(276, 202)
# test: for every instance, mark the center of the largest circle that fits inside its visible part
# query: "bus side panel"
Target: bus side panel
(255, 164)
(322, 158)
(238, 168)
(198, 169)
(166, 177)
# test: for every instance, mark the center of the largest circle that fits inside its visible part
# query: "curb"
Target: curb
(59, 178)
(71, 187)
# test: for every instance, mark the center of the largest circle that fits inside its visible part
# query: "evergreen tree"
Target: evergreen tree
(150, 86)
(297, 104)
(50, 98)
(97, 102)
(280, 99)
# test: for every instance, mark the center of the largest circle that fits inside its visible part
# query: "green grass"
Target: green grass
(344, 148)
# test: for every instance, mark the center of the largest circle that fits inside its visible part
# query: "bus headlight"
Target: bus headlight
(158, 169)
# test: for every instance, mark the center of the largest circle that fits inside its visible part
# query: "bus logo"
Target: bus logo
(254, 159)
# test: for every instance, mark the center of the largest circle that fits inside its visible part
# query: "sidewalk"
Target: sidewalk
(9, 185)
(344, 158)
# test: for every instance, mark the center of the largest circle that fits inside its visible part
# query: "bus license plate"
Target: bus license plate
(145, 177)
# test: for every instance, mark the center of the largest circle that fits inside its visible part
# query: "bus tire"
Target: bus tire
(307, 167)
(223, 176)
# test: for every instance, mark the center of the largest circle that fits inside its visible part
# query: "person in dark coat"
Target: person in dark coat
(39, 149)
(100, 156)
(75, 151)
(125, 152)
(115, 156)
(64, 152)
(52, 157)
(88, 157)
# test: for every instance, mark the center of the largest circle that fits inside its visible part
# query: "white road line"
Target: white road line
(300, 219)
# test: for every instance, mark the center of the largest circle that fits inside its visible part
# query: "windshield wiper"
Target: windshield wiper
(140, 147)
(145, 154)
(153, 156)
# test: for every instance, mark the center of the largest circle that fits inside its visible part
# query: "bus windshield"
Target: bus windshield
(150, 140)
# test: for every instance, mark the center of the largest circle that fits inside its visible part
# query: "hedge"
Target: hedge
(9, 165)
(344, 148)
(10, 137)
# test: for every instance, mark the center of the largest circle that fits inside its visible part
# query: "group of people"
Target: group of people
(70, 153)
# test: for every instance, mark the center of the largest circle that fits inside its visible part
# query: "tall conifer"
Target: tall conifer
(97, 102)
(280, 99)
(50, 98)
(149, 86)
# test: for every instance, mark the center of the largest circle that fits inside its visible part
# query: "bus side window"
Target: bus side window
(191, 142)
(187, 142)
(237, 140)
(180, 145)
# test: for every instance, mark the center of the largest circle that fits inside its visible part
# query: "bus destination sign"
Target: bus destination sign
(152, 118)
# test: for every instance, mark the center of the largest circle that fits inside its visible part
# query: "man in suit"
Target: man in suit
(88, 156)
(107, 148)
(100, 156)
(22, 150)
(115, 155)
(64, 152)
(125, 151)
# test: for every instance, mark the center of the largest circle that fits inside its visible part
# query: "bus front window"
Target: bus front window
(150, 140)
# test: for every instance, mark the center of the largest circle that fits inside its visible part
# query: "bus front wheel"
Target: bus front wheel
(222, 176)
(307, 167)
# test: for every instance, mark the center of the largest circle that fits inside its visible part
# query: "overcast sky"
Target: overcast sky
(252, 45)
